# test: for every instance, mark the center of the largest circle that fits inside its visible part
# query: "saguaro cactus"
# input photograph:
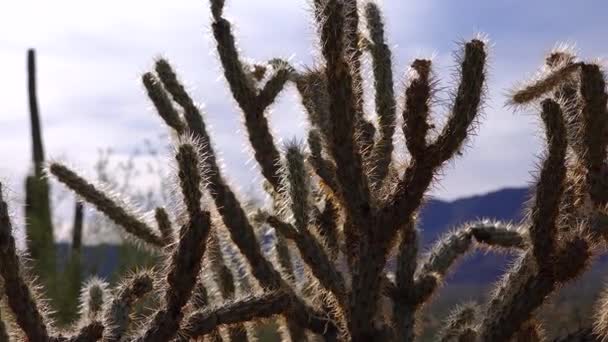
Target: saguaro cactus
(39, 225)
(343, 203)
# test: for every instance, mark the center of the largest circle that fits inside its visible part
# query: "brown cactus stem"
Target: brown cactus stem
(238, 311)
(416, 112)
(314, 256)
(229, 207)
(91, 332)
(419, 174)
(595, 136)
(526, 288)
(384, 92)
(186, 260)
(225, 280)
(404, 311)
(102, 201)
(252, 105)
(350, 174)
(550, 185)
(18, 295)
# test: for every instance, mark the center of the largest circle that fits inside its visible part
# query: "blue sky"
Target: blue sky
(92, 53)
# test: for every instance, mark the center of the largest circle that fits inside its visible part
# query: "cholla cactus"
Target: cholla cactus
(343, 203)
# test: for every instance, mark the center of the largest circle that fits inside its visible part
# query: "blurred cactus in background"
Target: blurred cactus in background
(39, 226)
(342, 206)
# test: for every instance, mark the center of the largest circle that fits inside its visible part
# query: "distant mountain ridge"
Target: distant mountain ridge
(436, 218)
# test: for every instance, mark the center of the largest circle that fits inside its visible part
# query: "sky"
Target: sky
(91, 54)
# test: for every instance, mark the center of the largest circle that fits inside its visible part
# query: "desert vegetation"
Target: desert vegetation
(342, 206)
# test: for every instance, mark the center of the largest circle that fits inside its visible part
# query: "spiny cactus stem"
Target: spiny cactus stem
(199, 301)
(18, 295)
(595, 117)
(531, 331)
(92, 299)
(183, 272)
(526, 289)
(524, 292)
(312, 86)
(458, 321)
(222, 273)
(314, 255)
(164, 226)
(37, 148)
(275, 85)
(466, 104)
(161, 101)
(550, 185)
(545, 84)
(342, 106)
(419, 174)
(404, 315)
(228, 206)
(238, 311)
(106, 205)
(91, 332)
(252, 104)
(117, 314)
(384, 92)
(187, 256)
(324, 168)
(225, 281)
(416, 111)
(353, 52)
(3, 332)
(189, 178)
(326, 224)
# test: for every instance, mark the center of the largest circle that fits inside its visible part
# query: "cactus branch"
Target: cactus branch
(385, 96)
(252, 104)
(237, 311)
(187, 256)
(162, 102)
(116, 212)
(545, 84)
(19, 297)
(117, 314)
(164, 226)
(419, 174)
(550, 185)
(416, 110)
(595, 118)
(314, 255)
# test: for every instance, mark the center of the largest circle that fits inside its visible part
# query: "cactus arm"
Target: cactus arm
(236, 311)
(384, 93)
(416, 110)
(550, 185)
(418, 176)
(19, 296)
(314, 255)
(252, 104)
(104, 203)
(187, 256)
